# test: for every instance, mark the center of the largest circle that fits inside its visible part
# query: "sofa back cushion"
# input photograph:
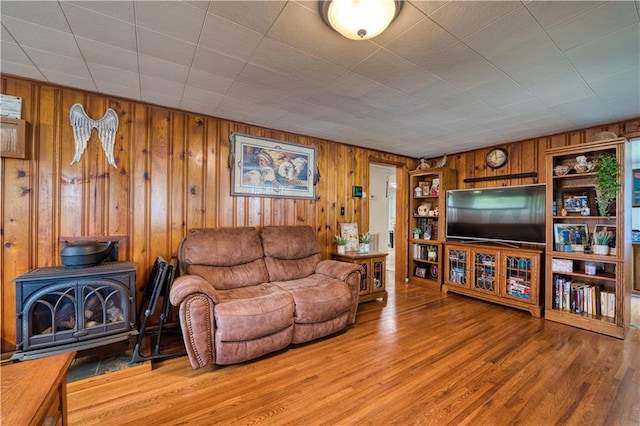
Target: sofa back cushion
(225, 257)
(291, 252)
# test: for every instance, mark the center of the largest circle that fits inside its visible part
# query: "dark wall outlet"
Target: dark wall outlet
(341, 211)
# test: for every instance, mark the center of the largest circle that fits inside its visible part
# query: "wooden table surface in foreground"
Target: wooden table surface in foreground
(35, 391)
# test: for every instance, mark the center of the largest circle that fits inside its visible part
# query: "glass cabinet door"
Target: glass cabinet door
(484, 271)
(518, 277)
(457, 266)
(378, 277)
(364, 280)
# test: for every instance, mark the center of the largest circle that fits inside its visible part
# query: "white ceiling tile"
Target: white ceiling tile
(297, 88)
(429, 7)
(586, 108)
(59, 63)
(504, 34)
(625, 109)
(472, 75)
(500, 92)
(106, 54)
(118, 9)
(164, 70)
(595, 23)
(421, 41)
(208, 81)
(250, 92)
(160, 99)
(173, 18)
(561, 89)
(381, 65)
(198, 108)
(88, 24)
(526, 54)
(551, 13)
(611, 54)
(408, 17)
(262, 114)
(21, 69)
(276, 56)
(167, 48)
(461, 18)
(119, 90)
(409, 79)
(217, 63)
(38, 37)
(390, 100)
(258, 76)
(351, 84)
(318, 72)
(12, 52)
(197, 95)
(65, 79)
(257, 15)
(159, 86)
(541, 70)
(45, 13)
(279, 101)
(618, 86)
(112, 75)
(229, 38)
(479, 112)
(458, 55)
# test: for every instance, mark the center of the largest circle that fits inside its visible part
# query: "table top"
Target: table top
(26, 385)
(354, 255)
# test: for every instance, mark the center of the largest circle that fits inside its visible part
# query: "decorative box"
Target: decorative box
(561, 265)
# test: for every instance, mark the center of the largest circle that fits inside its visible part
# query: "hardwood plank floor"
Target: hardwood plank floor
(421, 358)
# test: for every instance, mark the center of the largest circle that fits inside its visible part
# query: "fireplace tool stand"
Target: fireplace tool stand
(160, 281)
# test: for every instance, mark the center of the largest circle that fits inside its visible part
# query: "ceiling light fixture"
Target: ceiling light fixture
(359, 19)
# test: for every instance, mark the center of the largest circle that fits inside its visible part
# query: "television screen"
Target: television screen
(511, 214)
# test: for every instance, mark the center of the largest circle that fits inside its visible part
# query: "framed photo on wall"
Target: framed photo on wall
(269, 168)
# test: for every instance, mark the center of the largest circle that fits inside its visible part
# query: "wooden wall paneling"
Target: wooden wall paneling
(118, 194)
(161, 136)
(46, 148)
(179, 191)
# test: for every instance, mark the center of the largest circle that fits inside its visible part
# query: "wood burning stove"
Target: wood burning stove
(61, 309)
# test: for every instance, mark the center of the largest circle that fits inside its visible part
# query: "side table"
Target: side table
(373, 283)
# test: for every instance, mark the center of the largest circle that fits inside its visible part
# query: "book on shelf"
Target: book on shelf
(581, 297)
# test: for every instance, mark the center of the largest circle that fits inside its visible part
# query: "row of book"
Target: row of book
(580, 297)
(421, 251)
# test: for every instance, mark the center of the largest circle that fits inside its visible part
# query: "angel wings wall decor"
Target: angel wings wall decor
(82, 126)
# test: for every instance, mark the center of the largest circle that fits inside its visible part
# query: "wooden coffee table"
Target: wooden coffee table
(35, 392)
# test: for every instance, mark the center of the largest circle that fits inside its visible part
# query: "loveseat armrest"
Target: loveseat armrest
(186, 285)
(338, 270)
(351, 274)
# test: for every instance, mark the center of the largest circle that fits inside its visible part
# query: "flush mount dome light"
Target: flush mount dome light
(359, 19)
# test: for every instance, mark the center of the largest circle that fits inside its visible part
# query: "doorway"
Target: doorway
(382, 209)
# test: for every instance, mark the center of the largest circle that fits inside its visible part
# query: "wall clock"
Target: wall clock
(496, 157)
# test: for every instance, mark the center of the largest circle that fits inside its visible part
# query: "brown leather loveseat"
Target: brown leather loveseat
(246, 292)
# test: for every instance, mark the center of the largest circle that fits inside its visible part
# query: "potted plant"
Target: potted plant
(365, 242)
(606, 178)
(341, 243)
(432, 253)
(601, 240)
(416, 233)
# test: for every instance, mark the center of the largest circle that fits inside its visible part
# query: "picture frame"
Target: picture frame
(262, 167)
(574, 235)
(578, 202)
(349, 230)
(605, 227)
(421, 272)
(635, 188)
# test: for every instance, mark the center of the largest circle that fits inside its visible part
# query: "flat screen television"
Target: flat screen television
(508, 214)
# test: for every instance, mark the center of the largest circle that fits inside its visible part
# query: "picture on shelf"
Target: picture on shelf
(350, 232)
(579, 202)
(571, 234)
(421, 272)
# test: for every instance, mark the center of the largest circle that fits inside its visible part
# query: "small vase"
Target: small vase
(341, 249)
(601, 250)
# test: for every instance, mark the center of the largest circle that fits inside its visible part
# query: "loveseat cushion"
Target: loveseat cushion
(291, 252)
(317, 298)
(252, 312)
(225, 257)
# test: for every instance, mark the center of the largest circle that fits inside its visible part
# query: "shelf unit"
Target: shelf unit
(373, 282)
(425, 253)
(584, 289)
(508, 276)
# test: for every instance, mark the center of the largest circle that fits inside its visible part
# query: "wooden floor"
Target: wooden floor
(421, 358)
